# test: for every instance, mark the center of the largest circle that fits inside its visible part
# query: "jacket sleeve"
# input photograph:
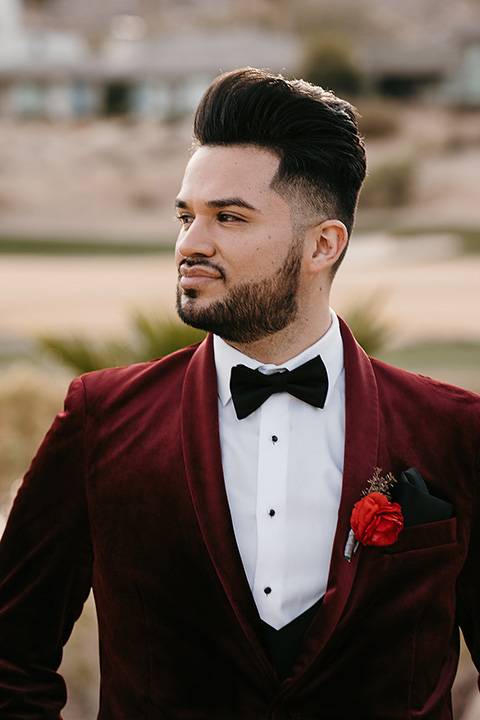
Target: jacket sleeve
(468, 585)
(45, 569)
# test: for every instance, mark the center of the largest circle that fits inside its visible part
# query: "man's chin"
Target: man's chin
(191, 304)
(189, 315)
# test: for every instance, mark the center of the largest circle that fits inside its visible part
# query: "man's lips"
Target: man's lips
(193, 276)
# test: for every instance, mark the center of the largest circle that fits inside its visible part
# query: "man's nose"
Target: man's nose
(195, 240)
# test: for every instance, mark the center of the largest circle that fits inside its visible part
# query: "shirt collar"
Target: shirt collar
(329, 347)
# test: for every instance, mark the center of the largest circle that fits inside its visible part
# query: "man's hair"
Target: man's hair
(313, 132)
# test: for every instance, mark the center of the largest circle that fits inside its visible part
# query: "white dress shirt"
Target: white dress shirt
(283, 467)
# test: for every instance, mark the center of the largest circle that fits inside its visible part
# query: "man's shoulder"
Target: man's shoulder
(396, 385)
(414, 387)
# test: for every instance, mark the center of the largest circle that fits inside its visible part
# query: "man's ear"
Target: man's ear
(328, 239)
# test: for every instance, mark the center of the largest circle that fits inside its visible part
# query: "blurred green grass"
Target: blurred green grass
(10, 245)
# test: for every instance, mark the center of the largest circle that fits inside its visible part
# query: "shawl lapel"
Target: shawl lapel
(360, 460)
(203, 464)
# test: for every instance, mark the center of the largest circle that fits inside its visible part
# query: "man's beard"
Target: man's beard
(251, 311)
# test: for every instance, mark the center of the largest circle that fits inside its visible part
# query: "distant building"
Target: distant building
(36, 68)
(54, 74)
(443, 68)
(166, 75)
(119, 65)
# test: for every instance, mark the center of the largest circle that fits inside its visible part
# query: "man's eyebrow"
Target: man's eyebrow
(229, 202)
(221, 203)
(180, 204)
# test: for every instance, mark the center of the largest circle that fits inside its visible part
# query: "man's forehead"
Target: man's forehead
(233, 161)
(234, 171)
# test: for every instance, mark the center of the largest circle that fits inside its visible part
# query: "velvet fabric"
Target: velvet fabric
(126, 495)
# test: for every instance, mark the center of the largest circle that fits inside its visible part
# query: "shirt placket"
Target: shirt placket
(271, 509)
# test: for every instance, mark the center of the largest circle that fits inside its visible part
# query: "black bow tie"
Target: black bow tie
(250, 388)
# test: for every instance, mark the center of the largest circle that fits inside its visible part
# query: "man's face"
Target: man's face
(239, 260)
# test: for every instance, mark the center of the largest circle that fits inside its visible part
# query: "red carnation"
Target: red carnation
(375, 520)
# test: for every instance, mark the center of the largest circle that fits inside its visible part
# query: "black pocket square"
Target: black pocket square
(418, 506)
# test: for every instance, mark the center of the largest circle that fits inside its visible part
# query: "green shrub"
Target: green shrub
(152, 337)
(369, 330)
(83, 355)
(158, 336)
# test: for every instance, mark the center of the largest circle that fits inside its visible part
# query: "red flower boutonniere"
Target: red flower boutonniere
(375, 519)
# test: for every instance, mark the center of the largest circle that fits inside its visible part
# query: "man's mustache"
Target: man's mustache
(191, 262)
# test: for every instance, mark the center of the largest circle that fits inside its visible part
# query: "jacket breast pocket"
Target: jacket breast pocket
(423, 537)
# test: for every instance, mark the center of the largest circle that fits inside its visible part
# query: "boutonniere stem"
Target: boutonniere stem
(351, 547)
(375, 519)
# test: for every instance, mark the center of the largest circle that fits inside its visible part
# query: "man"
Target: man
(209, 504)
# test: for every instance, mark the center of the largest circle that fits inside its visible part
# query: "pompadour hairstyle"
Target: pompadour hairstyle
(313, 132)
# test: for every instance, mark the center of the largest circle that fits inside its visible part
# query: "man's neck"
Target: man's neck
(286, 344)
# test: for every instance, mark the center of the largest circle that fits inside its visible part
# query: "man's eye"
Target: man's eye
(228, 218)
(184, 219)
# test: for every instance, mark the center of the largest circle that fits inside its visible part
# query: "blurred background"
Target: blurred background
(96, 104)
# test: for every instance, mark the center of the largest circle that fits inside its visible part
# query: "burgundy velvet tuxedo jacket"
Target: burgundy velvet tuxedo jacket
(126, 495)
